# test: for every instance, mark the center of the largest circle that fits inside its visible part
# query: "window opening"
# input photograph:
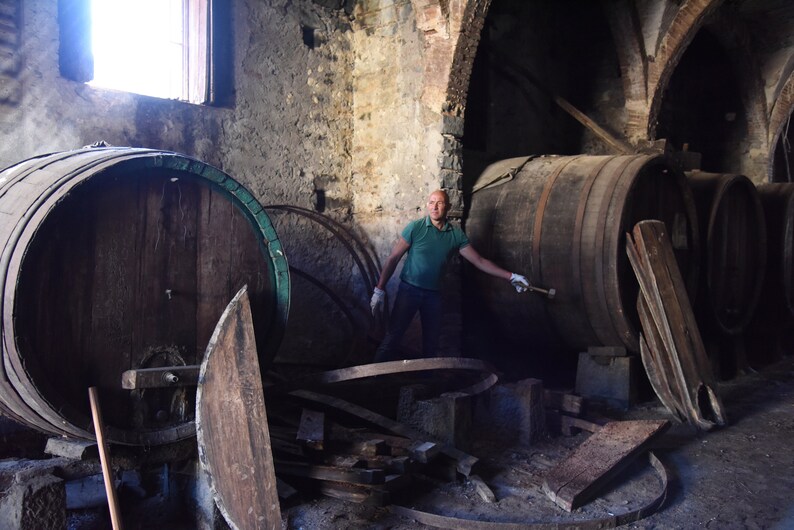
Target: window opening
(152, 47)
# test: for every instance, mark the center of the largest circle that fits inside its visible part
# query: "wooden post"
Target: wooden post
(104, 458)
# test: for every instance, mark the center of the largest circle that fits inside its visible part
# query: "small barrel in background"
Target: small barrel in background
(122, 258)
(733, 239)
(562, 221)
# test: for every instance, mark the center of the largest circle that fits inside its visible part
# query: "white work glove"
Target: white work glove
(377, 300)
(519, 282)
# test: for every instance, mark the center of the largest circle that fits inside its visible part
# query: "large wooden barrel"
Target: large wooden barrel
(770, 334)
(733, 238)
(562, 221)
(122, 258)
(778, 206)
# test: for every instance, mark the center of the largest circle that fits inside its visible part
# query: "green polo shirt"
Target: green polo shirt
(429, 250)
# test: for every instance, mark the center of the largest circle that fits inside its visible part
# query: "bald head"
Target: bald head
(443, 195)
(437, 206)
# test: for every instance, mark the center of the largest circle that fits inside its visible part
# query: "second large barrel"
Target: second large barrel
(562, 220)
(733, 232)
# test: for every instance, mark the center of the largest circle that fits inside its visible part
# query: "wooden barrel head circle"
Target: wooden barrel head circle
(121, 258)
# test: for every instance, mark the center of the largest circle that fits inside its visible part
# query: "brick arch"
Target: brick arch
(451, 32)
(782, 108)
(682, 30)
(626, 28)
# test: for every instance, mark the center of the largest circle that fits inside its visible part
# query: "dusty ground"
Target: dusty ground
(740, 476)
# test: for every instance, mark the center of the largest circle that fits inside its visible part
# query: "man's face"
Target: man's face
(437, 206)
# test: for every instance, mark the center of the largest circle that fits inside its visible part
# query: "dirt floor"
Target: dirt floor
(739, 476)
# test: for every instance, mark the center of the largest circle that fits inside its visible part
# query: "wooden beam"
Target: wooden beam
(162, 377)
(336, 474)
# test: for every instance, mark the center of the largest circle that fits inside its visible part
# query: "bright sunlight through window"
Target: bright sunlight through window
(142, 46)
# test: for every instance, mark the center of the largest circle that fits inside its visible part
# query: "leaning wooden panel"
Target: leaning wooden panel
(231, 423)
(669, 305)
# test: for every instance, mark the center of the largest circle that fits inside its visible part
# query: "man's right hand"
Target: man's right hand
(519, 282)
(377, 300)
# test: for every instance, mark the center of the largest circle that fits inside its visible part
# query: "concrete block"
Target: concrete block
(446, 419)
(70, 448)
(512, 412)
(36, 502)
(611, 379)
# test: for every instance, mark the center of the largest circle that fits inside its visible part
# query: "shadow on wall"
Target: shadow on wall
(330, 324)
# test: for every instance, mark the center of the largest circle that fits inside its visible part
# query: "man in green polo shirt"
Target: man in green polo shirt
(428, 242)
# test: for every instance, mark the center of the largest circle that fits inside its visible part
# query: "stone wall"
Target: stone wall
(287, 136)
(355, 109)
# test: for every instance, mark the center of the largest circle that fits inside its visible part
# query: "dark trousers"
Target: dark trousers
(411, 299)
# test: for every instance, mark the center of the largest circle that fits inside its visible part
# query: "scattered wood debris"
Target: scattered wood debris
(311, 442)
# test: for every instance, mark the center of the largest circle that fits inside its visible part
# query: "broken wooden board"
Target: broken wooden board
(679, 367)
(598, 459)
(231, 423)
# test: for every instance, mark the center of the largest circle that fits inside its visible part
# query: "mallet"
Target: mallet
(548, 292)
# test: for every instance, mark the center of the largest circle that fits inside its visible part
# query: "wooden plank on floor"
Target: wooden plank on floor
(231, 423)
(598, 459)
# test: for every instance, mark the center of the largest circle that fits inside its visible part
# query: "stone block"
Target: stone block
(450, 162)
(611, 379)
(445, 419)
(452, 125)
(451, 179)
(512, 412)
(71, 448)
(34, 502)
